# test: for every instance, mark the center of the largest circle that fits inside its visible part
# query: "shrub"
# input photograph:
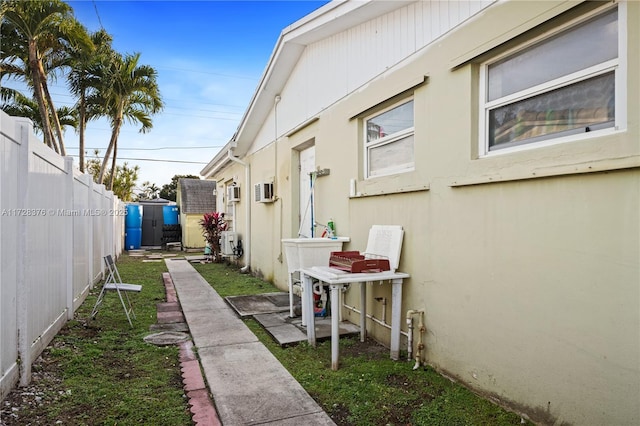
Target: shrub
(212, 226)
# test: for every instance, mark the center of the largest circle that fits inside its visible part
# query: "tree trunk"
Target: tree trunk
(105, 160)
(82, 123)
(112, 143)
(54, 114)
(113, 165)
(37, 91)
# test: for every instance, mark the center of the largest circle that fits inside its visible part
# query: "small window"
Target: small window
(389, 141)
(565, 85)
(229, 202)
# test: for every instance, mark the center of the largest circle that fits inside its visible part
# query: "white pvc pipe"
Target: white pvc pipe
(335, 327)
(247, 198)
(418, 356)
(372, 318)
(410, 339)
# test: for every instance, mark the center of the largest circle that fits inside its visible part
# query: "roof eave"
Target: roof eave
(220, 160)
(328, 20)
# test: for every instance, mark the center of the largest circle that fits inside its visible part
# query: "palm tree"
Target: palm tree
(149, 191)
(39, 34)
(129, 92)
(125, 177)
(15, 64)
(18, 105)
(82, 78)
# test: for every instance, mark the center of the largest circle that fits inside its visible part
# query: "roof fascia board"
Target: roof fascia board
(219, 161)
(326, 22)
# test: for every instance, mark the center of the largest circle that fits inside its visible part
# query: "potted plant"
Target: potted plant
(212, 226)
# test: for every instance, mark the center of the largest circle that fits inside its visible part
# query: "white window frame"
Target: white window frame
(388, 139)
(618, 66)
(229, 207)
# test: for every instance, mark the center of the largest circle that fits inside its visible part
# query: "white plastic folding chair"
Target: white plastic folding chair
(113, 282)
(385, 242)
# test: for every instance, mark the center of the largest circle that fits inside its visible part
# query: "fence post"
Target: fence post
(23, 131)
(100, 219)
(92, 253)
(68, 236)
(108, 223)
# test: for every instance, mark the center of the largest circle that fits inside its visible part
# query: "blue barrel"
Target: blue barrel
(170, 215)
(134, 216)
(132, 238)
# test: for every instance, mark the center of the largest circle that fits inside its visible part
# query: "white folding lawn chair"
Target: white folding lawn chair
(113, 282)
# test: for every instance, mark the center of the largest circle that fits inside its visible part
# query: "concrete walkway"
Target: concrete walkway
(248, 384)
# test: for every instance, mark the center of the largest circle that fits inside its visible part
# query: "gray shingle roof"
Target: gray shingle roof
(196, 196)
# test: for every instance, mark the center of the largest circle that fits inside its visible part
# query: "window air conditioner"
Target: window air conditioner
(228, 241)
(264, 192)
(233, 193)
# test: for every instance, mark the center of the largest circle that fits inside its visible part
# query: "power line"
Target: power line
(157, 160)
(95, 6)
(157, 149)
(209, 73)
(69, 95)
(201, 116)
(68, 103)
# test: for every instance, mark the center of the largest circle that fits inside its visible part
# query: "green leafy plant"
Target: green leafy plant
(212, 226)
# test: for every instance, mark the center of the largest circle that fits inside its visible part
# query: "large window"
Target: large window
(389, 140)
(563, 86)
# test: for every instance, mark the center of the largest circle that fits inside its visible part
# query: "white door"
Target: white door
(307, 165)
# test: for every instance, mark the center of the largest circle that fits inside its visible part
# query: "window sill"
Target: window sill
(405, 190)
(609, 164)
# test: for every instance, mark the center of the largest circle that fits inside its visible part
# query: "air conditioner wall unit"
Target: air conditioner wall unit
(233, 193)
(264, 192)
(228, 241)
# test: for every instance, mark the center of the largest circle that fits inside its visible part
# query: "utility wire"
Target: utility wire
(156, 149)
(95, 6)
(209, 72)
(157, 160)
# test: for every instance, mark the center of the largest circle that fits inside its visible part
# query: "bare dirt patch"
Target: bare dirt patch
(23, 406)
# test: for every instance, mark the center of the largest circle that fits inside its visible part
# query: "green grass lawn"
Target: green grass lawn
(369, 388)
(101, 372)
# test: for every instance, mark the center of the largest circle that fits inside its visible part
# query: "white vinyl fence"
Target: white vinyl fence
(55, 227)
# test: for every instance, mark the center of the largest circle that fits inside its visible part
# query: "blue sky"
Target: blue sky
(209, 56)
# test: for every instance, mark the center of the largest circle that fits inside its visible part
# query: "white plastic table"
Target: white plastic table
(336, 279)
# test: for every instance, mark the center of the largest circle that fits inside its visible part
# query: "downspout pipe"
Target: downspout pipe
(247, 198)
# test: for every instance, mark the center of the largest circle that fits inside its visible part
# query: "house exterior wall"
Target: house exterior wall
(236, 212)
(332, 68)
(527, 264)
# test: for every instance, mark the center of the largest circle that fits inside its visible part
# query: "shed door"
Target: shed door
(307, 165)
(152, 222)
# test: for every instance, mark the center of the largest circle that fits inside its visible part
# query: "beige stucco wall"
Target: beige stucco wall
(235, 217)
(191, 231)
(190, 227)
(527, 264)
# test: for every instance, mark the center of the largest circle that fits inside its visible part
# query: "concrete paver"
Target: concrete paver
(248, 384)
